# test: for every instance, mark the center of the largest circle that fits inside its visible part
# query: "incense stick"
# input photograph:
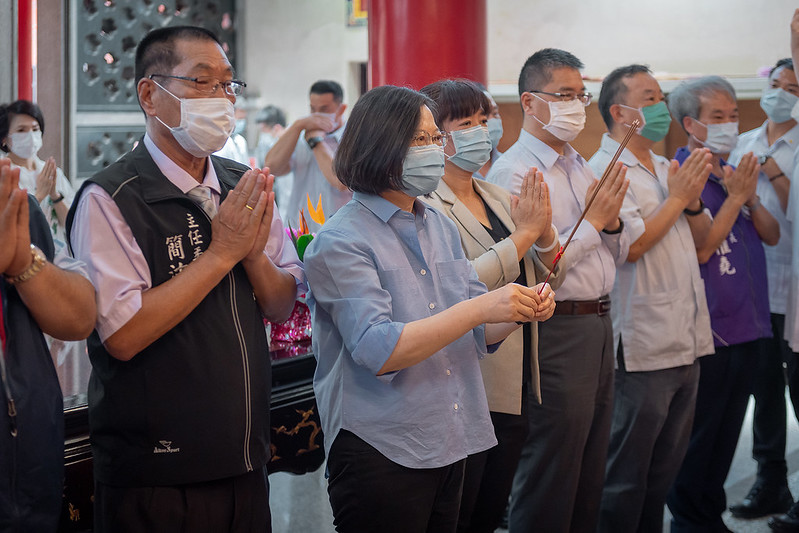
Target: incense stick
(622, 145)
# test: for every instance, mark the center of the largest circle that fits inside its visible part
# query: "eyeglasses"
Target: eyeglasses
(423, 138)
(585, 98)
(209, 84)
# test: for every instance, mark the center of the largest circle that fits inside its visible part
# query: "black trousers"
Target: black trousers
(238, 505)
(697, 499)
(370, 493)
(489, 474)
(776, 368)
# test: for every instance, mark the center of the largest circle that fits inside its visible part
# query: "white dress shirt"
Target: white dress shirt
(592, 256)
(659, 304)
(310, 182)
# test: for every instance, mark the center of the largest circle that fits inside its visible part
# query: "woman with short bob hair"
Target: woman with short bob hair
(21, 130)
(400, 321)
(507, 240)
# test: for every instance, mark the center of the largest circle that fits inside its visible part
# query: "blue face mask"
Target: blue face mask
(495, 131)
(422, 169)
(778, 103)
(472, 148)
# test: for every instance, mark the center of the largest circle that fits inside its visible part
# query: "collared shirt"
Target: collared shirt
(310, 182)
(592, 256)
(735, 275)
(27, 180)
(778, 258)
(659, 305)
(792, 312)
(116, 265)
(372, 269)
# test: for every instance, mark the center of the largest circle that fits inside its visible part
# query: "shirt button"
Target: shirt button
(456, 406)
(449, 371)
(423, 272)
(432, 305)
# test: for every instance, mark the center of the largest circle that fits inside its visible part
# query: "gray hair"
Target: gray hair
(684, 101)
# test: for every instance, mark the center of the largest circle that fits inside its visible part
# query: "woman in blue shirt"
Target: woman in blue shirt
(398, 317)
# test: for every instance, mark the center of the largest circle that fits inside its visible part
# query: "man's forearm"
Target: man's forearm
(278, 159)
(275, 289)
(719, 229)
(165, 306)
(61, 302)
(324, 159)
(657, 226)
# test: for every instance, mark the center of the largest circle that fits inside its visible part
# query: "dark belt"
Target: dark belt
(599, 307)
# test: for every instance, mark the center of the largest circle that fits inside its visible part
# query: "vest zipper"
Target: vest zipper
(245, 360)
(246, 367)
(12, 408)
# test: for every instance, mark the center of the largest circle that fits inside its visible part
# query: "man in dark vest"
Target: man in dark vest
(188, 255)
(35, 296)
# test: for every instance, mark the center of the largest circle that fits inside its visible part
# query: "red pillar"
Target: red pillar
(24, 50)
(416, 42)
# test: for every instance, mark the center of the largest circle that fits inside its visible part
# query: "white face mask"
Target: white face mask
(566, 119)
(721, 138)
(205, 124)
(25, 144)
(778, 104)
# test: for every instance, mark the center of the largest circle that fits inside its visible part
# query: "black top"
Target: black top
(499, 232)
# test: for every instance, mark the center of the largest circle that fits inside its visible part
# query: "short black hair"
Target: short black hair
(328, 86)
(537, 70)
(377, 137)
(786, 62)
(456, 99)
(614, 89)
(271, 115)
(19, 107)
(155, 53)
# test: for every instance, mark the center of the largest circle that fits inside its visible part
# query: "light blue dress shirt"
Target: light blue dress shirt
(371, 269)
(592, 256)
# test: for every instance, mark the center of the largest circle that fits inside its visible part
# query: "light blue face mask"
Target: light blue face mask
(472, 148)
(422, 169)
(495, 131)
(778, 103)
(241, 125)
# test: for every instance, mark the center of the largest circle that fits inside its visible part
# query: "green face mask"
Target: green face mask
(656, 121)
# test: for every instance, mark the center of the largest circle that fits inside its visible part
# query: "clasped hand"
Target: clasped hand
(741, 183)
(517, 303)
(531, 210)
(15, 255)
(240, 229)
(604, 212)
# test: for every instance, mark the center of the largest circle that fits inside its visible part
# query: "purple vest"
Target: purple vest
(735, 276)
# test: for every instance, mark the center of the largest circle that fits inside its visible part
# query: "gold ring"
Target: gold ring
(248, 206)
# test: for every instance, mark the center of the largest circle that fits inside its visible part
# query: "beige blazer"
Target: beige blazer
(497, 264)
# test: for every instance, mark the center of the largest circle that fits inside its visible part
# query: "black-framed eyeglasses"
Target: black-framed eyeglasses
(585, 98)
(423, 138)
(209, 84)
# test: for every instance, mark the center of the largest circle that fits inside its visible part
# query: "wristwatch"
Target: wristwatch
(313, 141)
(39, 260)
(762, 159)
